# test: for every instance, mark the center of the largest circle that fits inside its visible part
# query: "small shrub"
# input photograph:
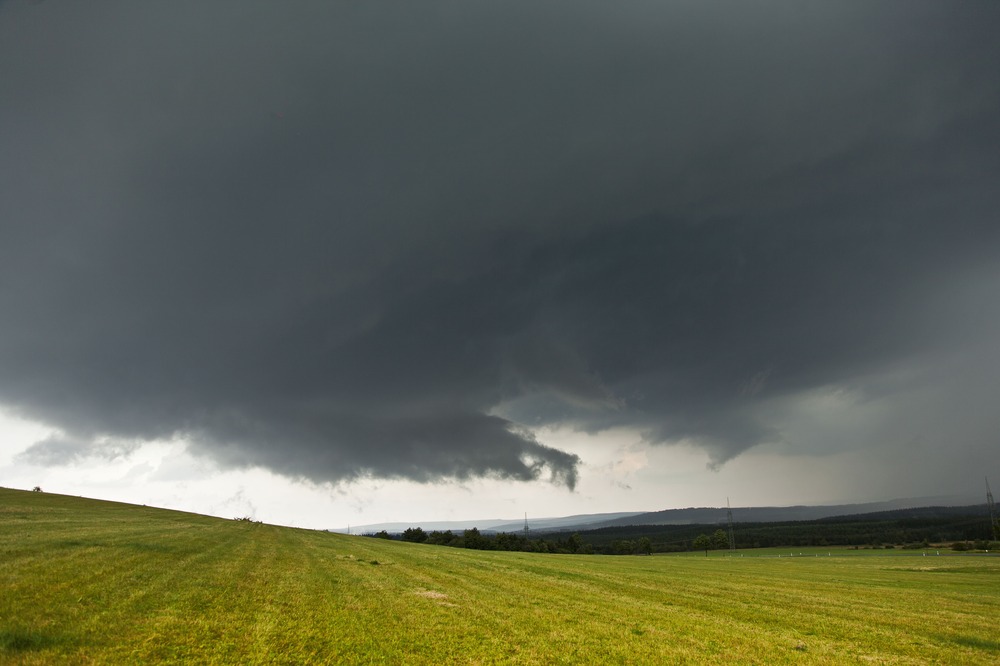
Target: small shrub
(36, 489)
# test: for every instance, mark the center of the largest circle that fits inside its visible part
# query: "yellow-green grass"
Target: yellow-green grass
(84, 581)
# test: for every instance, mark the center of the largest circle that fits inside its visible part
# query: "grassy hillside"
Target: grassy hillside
(99, 582)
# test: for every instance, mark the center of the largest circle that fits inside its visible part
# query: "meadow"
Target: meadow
(86, 581)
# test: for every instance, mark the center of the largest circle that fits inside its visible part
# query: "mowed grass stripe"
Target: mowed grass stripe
(95, 582)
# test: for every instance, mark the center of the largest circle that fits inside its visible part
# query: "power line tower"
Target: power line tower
(732, 532)
(525, 525)
(994, 521)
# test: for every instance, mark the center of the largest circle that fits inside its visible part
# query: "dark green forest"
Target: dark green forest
(874, 530)
(961, 528)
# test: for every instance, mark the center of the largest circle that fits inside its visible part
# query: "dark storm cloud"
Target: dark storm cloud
(343, 239)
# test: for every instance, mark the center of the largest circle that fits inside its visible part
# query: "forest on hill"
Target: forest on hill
(966, 527)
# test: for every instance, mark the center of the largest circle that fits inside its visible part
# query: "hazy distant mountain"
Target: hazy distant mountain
(688, 516)
(587, 520)
(776, 514)
(494, 524)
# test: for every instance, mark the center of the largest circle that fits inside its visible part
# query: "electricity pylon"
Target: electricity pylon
(732, 533)
(994, 521)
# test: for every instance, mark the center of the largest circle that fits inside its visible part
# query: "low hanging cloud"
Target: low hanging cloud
(340, 241)
(61, 450)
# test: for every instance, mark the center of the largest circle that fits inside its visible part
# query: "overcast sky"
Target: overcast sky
(334, 262)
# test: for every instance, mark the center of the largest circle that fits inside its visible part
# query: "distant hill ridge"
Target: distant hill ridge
(686, 516)
(778, 514)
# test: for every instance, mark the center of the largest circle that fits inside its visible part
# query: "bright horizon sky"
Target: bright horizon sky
(620, 473)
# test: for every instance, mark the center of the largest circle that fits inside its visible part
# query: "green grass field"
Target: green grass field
(84, 581)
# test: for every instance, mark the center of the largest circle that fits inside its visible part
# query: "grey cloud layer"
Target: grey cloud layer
(345, 239)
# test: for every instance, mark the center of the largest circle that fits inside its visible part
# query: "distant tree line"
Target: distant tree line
(512, 541)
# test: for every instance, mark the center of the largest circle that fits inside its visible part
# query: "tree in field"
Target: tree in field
(508, 541)
(644, 546)
(473, 539)
(414, 534)
(702, 542)
(720, 540)
(623, 547)
(439, 538)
